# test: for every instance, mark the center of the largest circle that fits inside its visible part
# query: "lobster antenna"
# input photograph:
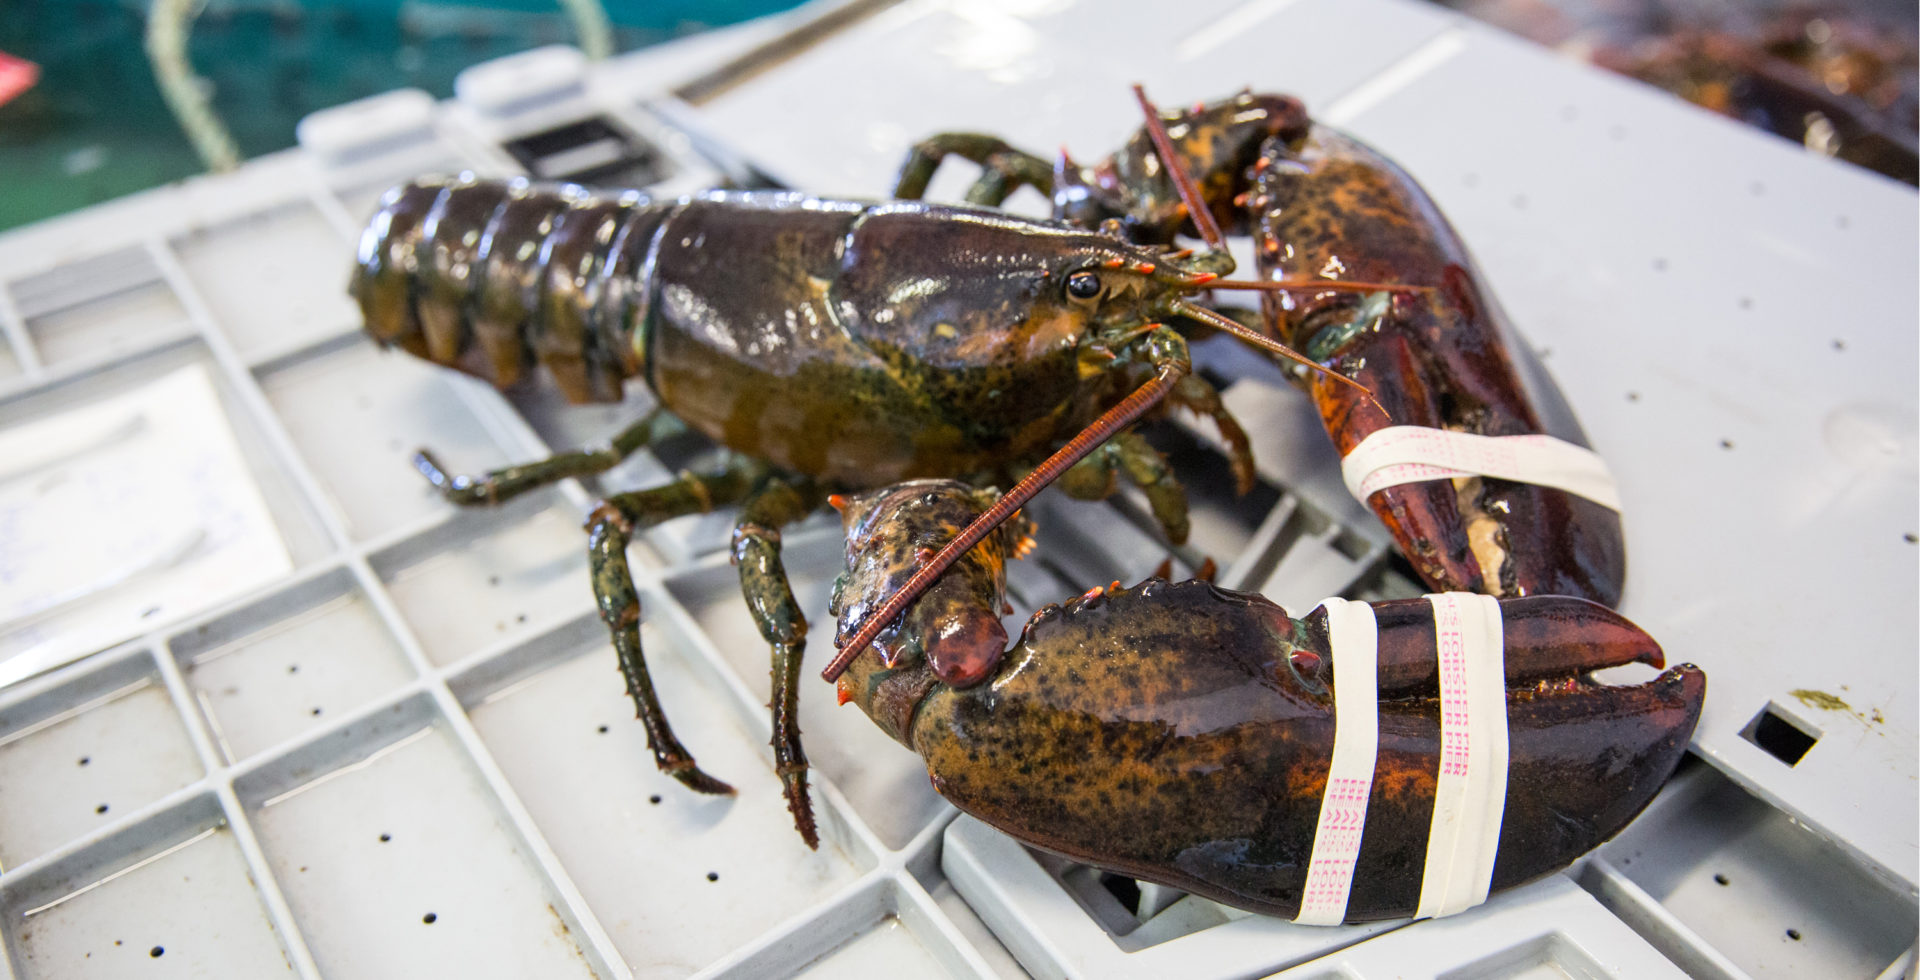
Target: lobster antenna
(1212, 319)
(1116, 418)
(1162, 144)
(1310, 285)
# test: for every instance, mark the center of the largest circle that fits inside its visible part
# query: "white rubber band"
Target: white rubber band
(1355, 639)
(1470, 795)
(1401, 454)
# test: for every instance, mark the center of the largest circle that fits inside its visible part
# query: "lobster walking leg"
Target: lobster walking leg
(609, 529)
(763, 581)
(501, 485)
(1129, 452)
(1197, 395)
(1003, 168)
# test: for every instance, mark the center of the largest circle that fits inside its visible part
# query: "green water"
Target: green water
(95, 127)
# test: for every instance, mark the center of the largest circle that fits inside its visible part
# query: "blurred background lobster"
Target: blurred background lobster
(1182, 734)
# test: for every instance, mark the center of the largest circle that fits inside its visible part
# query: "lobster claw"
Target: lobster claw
(1484, 534)
(955, 626)
(1448, 360)
(1181, 733)
(1583, 757)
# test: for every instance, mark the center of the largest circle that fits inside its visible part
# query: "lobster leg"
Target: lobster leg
(763, 582)
(608, 530)
(1129, 452)
(501, 485)
(1197, 395)
(1003, 168)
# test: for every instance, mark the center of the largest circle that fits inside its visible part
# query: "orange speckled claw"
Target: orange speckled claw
(1445, 357)
(1099, 687)
(1182, 733)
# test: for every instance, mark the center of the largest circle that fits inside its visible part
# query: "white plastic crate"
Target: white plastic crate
(423, 719)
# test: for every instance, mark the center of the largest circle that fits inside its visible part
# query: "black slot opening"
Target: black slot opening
(1123, 888)
(1780, 737)
(592, 151)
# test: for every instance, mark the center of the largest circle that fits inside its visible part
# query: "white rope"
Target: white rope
(590, 23)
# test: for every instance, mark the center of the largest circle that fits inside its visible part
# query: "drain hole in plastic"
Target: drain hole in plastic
(1781, 738)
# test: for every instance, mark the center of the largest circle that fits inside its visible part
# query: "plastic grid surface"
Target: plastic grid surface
(413, 756)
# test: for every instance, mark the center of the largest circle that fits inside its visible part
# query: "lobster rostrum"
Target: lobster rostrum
(828, 345)
(1323, 206)
(1181, 733)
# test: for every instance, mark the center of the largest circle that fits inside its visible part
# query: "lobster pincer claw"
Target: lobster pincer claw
(1583, 758)
(1186, 734)
(1447, 366)
(1182, 734)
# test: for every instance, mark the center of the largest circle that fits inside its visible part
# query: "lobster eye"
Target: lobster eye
(1083, 285)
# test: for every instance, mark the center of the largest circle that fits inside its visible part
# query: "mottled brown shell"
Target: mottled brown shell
(1328, 206)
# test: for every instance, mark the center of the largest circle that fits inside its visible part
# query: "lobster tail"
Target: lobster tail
(491, 277)
(381, 283)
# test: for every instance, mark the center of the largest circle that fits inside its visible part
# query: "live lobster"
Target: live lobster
(829, 345)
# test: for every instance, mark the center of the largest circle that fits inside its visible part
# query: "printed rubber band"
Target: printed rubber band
(1470, 795)
(1401, 454)
(1354, 636)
